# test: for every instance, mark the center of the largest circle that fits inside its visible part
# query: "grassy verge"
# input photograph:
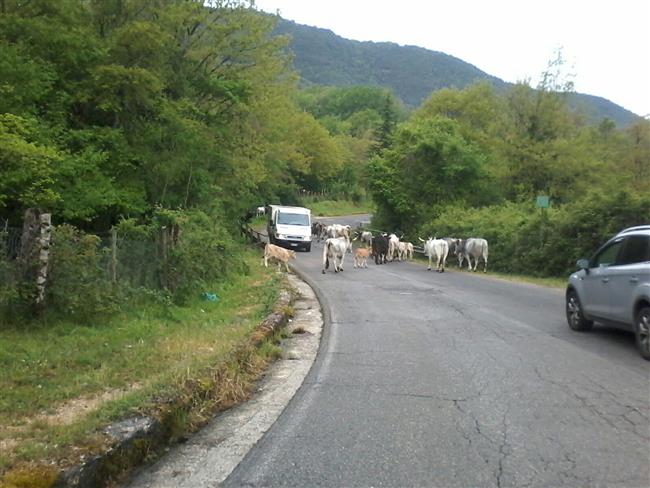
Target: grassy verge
(333, 208)
(62, 383)
(559, 283)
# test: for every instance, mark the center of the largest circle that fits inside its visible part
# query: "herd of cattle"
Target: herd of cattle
(383, 248)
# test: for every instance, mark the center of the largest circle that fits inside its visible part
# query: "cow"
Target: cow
(409, 250)
(393, 242)
(472, 248)
(338, 230)
(317, 229)
(437, 248)
(402, 252)
(335, 249)
(380, 248)
(280, 254)
(361, 255)
(260, 211)
(453, 243)
(365, 237)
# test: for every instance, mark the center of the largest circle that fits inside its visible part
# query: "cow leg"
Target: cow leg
(429, 267)
(341, 263)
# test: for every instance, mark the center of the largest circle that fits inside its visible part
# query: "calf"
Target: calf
(335, 249)
(361, 255)
(402, 252)
(409, 250)
(280, 254)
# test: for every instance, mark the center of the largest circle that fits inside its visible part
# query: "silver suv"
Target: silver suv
(613, 287)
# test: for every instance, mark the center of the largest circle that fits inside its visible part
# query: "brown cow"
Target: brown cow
(280, 254)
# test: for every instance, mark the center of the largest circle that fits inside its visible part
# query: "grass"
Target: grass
(334, 208)
(117, 367)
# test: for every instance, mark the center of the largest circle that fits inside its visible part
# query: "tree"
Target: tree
(429, 165)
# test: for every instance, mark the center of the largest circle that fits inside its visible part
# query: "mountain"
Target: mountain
(412, 73)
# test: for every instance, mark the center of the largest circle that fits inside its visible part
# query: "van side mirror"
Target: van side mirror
(583, 264)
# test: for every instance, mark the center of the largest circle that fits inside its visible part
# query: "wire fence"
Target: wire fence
(99, 260)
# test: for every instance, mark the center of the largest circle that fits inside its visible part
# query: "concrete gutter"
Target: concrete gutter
(208, 457)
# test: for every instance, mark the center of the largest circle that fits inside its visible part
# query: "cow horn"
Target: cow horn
(421, 239)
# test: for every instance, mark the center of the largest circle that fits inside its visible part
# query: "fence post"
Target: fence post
(43, 242)
(163, 245)
(114, 255)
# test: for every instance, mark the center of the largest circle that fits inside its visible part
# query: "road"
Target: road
(455, 380)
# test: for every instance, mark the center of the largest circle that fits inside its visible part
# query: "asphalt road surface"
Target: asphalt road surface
(455, 380)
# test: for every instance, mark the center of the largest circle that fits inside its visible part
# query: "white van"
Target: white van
(289, 227)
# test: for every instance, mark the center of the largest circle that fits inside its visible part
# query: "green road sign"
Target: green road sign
(543, 201)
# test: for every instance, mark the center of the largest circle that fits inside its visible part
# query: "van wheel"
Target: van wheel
(308, 247)
(642, 332)
(574, 314)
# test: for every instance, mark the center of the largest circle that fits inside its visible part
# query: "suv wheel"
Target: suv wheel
(574, 315)
(642, 332)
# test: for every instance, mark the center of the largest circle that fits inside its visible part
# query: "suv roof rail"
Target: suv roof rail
(634, 229)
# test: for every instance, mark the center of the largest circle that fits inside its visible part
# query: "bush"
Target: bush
(78, 285)
(530, 241)
(202, 254)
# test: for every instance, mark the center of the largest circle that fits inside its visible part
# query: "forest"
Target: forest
(166, 121)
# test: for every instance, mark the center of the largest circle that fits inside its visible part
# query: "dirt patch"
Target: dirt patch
(73, 410)
(66, 413)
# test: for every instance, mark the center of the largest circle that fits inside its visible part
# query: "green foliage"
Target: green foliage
(429, 165)
(537, 242)
(202, 254)
(77, 285)
(27, 165)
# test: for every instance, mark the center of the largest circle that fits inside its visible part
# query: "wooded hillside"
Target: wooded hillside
(412, 73)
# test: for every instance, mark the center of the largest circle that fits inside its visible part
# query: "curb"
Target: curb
(139, 439)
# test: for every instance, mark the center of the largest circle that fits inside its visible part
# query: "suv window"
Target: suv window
(636, 250)
(607, 256)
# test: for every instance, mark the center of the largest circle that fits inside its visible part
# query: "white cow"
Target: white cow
(472, 248)
(338, 230)
(334, 250)
(402, 251)
(393, 247)
(366, 238)
(260, 211)
(437, 248)
(409, 250)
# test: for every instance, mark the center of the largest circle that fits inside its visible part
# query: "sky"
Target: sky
(605, 43)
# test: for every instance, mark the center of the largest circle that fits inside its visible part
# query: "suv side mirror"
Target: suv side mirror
(583, 264)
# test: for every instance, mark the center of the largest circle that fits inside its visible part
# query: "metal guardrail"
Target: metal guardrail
(254, 236)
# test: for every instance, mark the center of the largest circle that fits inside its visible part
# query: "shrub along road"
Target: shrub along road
(455, 379)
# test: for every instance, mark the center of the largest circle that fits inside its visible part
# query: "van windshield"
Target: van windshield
(293, 219)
